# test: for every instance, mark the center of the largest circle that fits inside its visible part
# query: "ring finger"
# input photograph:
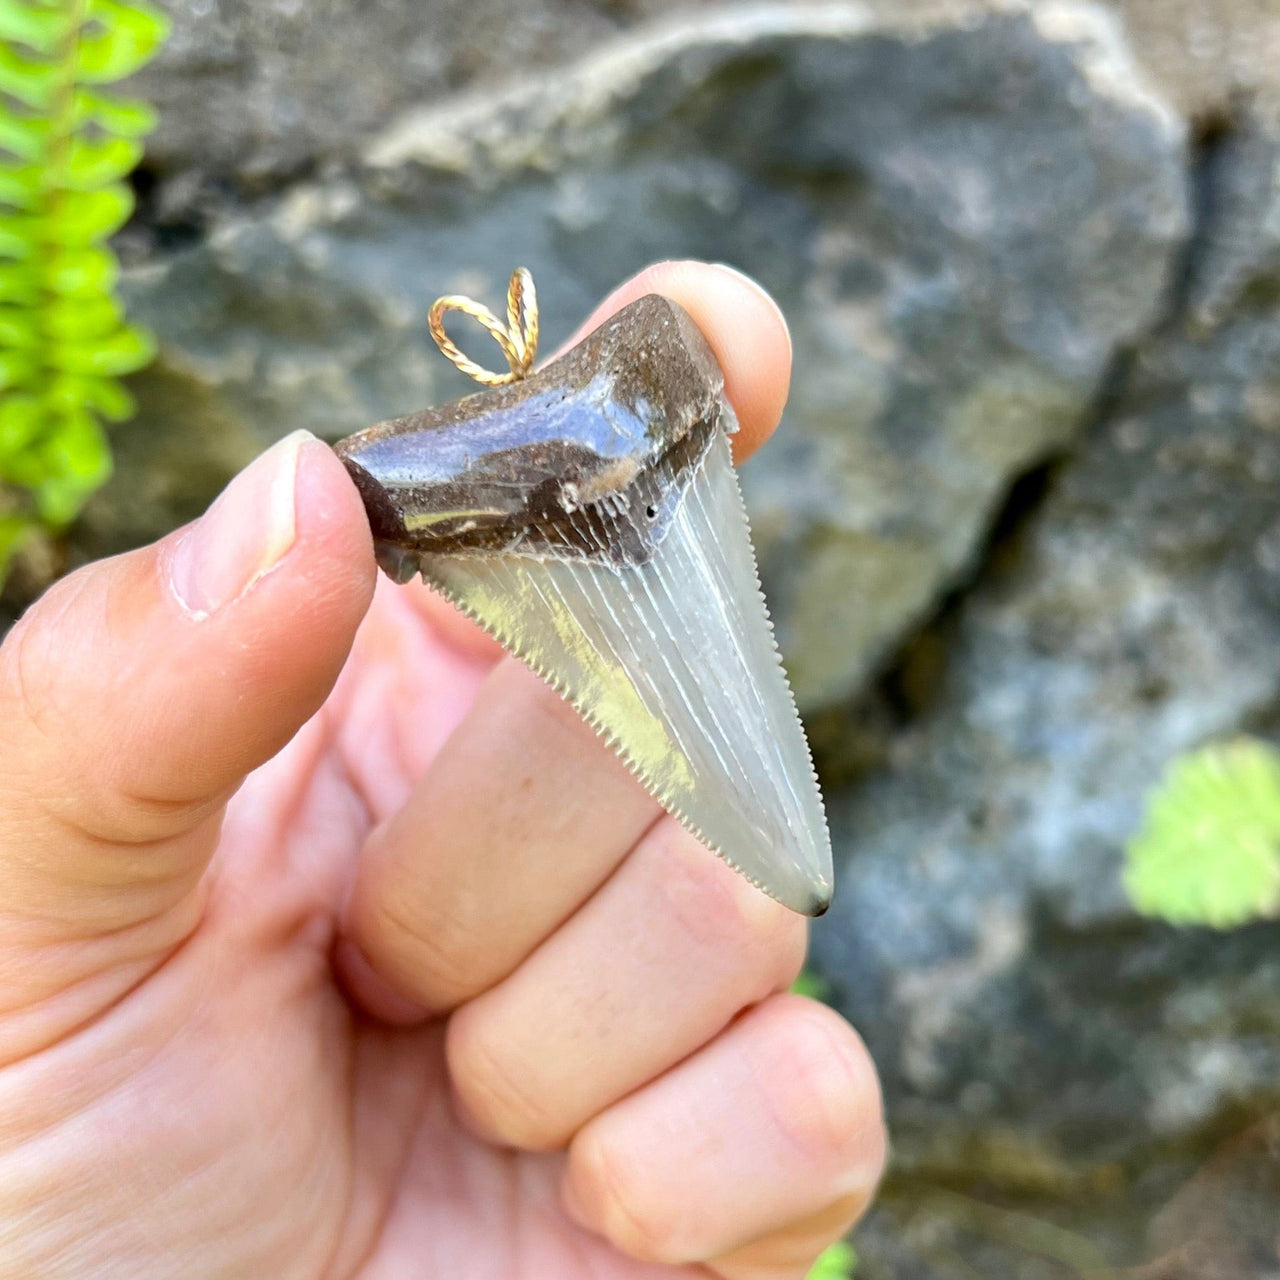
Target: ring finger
(749, 1157)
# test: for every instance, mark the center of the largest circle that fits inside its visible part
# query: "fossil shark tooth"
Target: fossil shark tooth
(589, 518)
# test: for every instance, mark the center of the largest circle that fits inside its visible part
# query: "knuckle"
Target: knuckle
(826, 1093)
(424, 953)
(492, 1088)
(33, 672)
(619, 1190)
(724, 913)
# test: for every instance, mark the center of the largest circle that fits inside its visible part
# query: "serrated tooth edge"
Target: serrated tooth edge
(609, 739)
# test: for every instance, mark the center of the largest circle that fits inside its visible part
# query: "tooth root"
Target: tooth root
(673, 662)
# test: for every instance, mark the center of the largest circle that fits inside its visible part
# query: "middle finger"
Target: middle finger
(520, 818)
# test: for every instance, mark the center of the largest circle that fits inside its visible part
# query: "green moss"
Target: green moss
(66, 146)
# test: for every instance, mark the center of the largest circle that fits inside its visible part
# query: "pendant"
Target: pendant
(589, 518)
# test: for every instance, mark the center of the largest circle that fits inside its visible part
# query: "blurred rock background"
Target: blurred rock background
(1020, 528)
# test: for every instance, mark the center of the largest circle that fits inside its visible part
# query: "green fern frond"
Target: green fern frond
(1209, 850)
(66, 146)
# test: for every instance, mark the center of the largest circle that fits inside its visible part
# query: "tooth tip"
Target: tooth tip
(807, 892)
(819, 903)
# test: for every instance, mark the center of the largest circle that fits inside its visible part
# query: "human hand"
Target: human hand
(438, 991)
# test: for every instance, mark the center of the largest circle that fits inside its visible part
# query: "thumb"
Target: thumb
(138, 692)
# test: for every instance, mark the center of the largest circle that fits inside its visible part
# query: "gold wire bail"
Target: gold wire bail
(518, 338)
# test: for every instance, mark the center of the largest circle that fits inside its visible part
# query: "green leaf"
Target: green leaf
(31, 82)
(64, 342)
(19, 234)
(26, 137)
(75, 272)
(20, 186)
(18, 283)
(94, 162)
(23, 468)
(123, 352)
(91, 316)
(128, 38)
(41, 29)
(1209, 849)
(836, 1263)
(19, 328)
(21, 419)
(14, 531)
(104, 395)
(125, 117)
(59, 499)
(78, 459)
(16, 367)
(83, 218)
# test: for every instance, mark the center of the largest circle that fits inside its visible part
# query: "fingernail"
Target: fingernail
(244, 535)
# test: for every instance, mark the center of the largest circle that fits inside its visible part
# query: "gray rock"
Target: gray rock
(1031, 1030)
(963, 222)
(260, 91)
(255, 92)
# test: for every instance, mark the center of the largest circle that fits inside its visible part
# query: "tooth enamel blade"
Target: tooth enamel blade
(673, 662)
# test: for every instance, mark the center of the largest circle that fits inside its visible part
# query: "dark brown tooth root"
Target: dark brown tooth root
(568, 462)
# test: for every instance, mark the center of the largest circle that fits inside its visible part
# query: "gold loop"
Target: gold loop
(518, 338)
(522, 317)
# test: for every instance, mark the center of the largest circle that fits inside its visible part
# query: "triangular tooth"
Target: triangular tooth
(590, 519)
(673, 661)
